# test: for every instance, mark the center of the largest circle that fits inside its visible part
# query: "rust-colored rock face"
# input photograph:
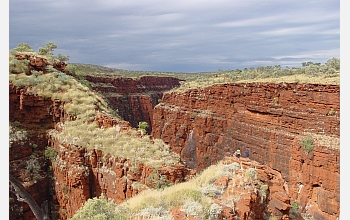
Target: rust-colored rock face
(203, 126)
(133, 98)
(270, 121)
(258, 196)
(77, 173)
(81, 174)
(34, 115)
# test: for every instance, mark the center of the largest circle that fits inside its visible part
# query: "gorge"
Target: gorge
(202, 125)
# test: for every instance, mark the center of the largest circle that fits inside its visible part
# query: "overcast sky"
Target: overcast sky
(180, 36)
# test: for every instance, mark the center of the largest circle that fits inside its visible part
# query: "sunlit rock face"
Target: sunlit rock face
(270, 121)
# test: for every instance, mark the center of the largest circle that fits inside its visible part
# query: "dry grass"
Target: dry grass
(323, 140)
(191, 196)
(202, 82)
(176, 195)
(300, 78)
(81, 103)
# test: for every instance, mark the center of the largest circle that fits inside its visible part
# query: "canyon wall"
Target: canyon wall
(75, 174)
(34, 116)
(203, 126)
(80, 174)
(270, 121)
(133, 98)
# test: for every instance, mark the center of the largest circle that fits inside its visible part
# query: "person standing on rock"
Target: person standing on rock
(238, 153)
(246, 153)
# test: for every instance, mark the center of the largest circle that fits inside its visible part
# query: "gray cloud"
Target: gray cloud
(180, 35)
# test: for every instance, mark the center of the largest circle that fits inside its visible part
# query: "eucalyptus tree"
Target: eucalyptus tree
(23, 47)
(47, 49)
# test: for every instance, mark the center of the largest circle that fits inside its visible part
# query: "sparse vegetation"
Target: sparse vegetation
(158, 181)
(190, 196)
(81, 104)
(309, 72)
(328, 73)
(307, 143)
(195, 197)
(294, 211)
(331, 111)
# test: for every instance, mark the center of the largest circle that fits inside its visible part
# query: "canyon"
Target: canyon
(203, 125)
(134, 99)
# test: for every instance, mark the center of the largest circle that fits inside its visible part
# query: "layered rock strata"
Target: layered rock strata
(32, 116)
(75, 174)
(271, 121)
(134, 99)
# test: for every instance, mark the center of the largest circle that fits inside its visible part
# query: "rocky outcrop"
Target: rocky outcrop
(270, 121)
(134, 99)
(260, 191)
(40, 63)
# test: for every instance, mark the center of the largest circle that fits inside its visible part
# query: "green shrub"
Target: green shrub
(97, 208)
(251, 173)
(19, 66)
(16, 134)
(242, 91)
(50, 153)
(293, 212)
(143, 126)
(153, 213)
(211, 191)
(193, 208)
(158, 181)
(307, 143)
(33, 168)
(214, 211)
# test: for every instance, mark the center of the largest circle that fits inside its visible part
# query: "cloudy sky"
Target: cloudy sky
(180, 36)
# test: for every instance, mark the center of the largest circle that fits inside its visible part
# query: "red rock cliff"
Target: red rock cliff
(269, 120)
(34, 115)
(76, 174)
(133, 98)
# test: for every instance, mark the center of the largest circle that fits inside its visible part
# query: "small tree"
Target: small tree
(62, 58)
(23, 47)
(333, 63)
(143, 126)
(48, 49)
